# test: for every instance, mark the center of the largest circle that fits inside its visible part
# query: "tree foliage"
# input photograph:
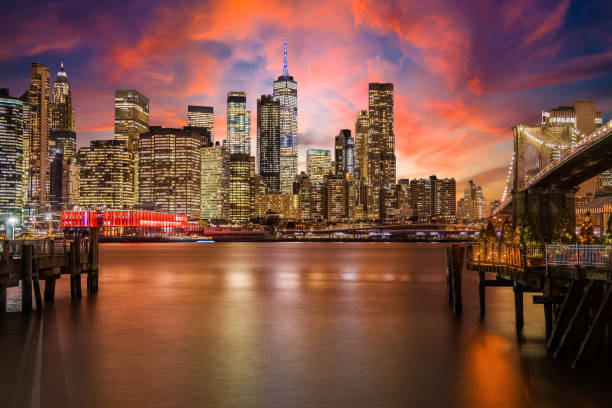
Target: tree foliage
(564, 231)
(507, 235)
(527, 232)
(587, 235)
(607, 238)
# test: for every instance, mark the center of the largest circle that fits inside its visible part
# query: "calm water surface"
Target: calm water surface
(281, 325)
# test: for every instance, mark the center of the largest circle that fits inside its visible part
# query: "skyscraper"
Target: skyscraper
(238, 124)
(240, 196)
(105, 175)
(362, 126)
(62, 112)
(131, 116)
(215, 181)
(202, 116)
(268, 142)
(169, 171)
(344, 152)
(37, 101)
(381, 145)
(474, 202)
(434, 199)
(285, 90)
(11, 155)
(318, 165)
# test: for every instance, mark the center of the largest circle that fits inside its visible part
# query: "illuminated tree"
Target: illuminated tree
(587, 236)
(527, 232)
(564, 231)
(607, 238)
(507, 234)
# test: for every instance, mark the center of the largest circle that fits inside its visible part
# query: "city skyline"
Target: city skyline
(464, 93)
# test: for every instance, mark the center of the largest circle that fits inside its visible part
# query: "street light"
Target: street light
(10, 222)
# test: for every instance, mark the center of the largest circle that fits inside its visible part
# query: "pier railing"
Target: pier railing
(549, 255)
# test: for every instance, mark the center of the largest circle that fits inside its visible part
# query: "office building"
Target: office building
(169, 171)
(344, 159)
(285, 90)
(36, 119)
(240, 205)
(283, 204)
(203, 117)
(303, 188)
(131, 116)
(474, 202)
(381, 145)
(106, 175)
(11, 156)
(62, 112)
(433, 199)
(268, 142)
(215, 181)
(238, 124)
(318, 165)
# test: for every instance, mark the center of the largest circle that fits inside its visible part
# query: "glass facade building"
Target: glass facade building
(240, 200)
(169, 171)
(203, 117)
(268, 142)
(318, 165)
(11, 156)
(105, 175)
(238, 124)
(285, 90)
(215, 182)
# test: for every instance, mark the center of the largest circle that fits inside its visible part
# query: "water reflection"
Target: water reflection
(273, 325)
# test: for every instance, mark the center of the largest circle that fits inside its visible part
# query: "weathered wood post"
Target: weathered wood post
(75, 269)
(92, 275)
(50, 282)
(456, 255)
(27, 252)
(518, 305)
(449, 274)
(547, 296)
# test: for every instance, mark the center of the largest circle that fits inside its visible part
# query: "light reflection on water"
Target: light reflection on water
(280, 324)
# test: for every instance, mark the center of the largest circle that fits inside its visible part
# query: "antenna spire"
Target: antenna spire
(285, 71)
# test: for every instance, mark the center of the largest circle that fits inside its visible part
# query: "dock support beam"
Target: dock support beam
(50, 290)
(518, 305)
(26, 278)
(481, 293)
(455, 256)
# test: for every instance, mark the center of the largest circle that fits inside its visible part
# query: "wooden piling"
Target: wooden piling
(50, 290)
(92, 275)
(37, 295)
(27, 252)
(456, 255)
(481, 293)
(518, 305)
(3, 299)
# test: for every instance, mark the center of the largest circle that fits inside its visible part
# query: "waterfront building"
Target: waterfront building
(318, 165)
(37, 123)
(64, 183)
(268, 142)
(106, 175)
(335, 198)
(462, 209)
(169, 171)
(285, 205)
(434, 199)
(475, 203)
(285, 90)
(203, 117)
(381, 145)
(238, 124)
(215, 181)
(11, 156)
(240, 202)
(125, 223)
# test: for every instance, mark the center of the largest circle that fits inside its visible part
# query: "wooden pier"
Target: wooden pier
(573, 283)
(31, 261)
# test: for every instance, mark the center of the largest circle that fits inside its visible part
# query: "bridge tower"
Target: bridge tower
(535, 147)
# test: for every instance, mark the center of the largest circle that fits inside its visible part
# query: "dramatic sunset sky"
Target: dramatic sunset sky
(464, 71)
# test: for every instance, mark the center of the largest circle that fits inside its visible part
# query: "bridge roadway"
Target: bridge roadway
(32, 261)
(575, 282)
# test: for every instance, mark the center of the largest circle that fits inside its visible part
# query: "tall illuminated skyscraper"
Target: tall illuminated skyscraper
(62, 112)
(318, 165)
(131, 116)
(238, 124)
(202, 116)
(105, 175)
(362, 127)
(215, 181)
(381, 145)
(169, 171)
(285, 90)
(37, 122)
(11, 156)
(268, 142)
(344, 153)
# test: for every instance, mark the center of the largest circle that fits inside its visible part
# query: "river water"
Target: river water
(282, 325)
